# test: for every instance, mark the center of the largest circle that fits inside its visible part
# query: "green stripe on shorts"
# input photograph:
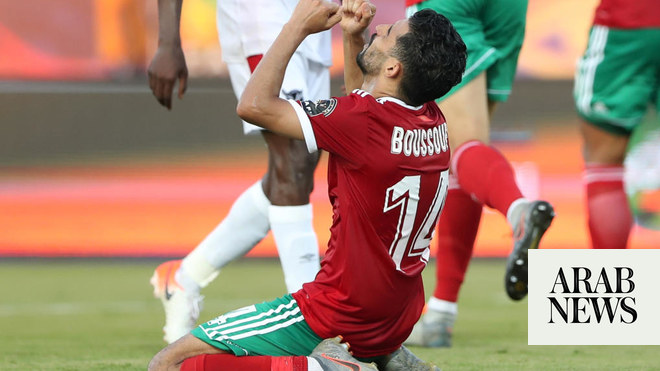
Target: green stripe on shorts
(275, 328)
(617, 77)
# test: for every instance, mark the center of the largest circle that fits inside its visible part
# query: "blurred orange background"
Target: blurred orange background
(126, 205)
(114, 39)
(165, 209)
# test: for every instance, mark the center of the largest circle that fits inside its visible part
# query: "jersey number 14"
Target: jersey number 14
(410, 241)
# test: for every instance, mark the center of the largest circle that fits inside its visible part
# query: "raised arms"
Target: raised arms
(260, 103)
(356, 17)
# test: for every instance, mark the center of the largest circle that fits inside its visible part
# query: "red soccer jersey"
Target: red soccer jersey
(387, 182)
(628, 13)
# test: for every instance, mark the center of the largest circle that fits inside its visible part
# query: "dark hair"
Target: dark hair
(433, 57)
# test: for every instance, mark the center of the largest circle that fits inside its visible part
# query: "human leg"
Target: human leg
(486, 175)
(467, 112)
(329, 355)
(480, 169)
(192, 354)
(242, 228)
(288, 184)
(608, 214)
(467, 117)
(616, 79)
(503, 27)
(172, 356)
(289, 179)
(178, 283)
(266, 336)
(480, 175)
(457, 230)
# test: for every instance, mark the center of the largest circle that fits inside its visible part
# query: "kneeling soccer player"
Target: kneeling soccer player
(387, 182)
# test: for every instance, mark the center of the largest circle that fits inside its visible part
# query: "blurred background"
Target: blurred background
(91, 165)
(83, 40)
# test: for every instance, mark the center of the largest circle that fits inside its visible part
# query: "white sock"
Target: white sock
(296, 243)
(438, 305)
(244, 226)
(313, 365)
(514, 212)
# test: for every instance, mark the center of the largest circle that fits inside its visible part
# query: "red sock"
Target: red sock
(486, 174)
(230, 362)
(609, 216)
(457, 230)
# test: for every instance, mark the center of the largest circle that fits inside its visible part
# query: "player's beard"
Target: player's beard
(370, 60)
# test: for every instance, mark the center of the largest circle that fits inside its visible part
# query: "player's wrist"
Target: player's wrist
(350, 31)
(170, 43)
(354, 38)
(295, 31)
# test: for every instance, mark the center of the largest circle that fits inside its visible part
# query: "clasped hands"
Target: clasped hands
(314, 16)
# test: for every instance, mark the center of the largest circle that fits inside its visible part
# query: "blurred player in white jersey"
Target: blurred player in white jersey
(280, 200)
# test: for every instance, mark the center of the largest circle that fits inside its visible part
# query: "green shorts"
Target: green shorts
(617, 77)
(493, 31)
(275, 328)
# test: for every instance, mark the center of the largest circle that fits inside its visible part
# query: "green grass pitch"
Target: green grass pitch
(100, 315)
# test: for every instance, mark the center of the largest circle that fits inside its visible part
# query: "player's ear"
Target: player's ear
(393, 68)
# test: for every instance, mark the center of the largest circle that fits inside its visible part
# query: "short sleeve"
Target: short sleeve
(337, 125)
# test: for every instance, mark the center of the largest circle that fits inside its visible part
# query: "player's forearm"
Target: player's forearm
(260, 98)
(169, 19)
(353, 76)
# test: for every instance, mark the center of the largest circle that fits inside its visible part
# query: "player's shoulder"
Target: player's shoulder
(357, 99)
(360, 93)
(387, 105)
(349, 104)
(323, 107)
(361, 97)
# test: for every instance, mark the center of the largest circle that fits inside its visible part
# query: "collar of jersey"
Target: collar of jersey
(382, 100)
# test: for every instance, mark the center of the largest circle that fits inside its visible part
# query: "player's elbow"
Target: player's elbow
(249, 110)
(243, 110)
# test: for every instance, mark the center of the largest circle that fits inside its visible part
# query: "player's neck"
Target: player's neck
(378, 87)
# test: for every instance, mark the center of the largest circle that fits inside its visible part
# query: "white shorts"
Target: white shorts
(304, 80)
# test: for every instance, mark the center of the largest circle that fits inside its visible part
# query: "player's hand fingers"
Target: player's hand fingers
(157, 91)
(165, 93)
(347, 5)
(155, 88)
(183, 84)
(333, 7)
(355, 5)
(367, 12)
(334, 19)
(332, 12)
(152, 82)
(357, 16)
